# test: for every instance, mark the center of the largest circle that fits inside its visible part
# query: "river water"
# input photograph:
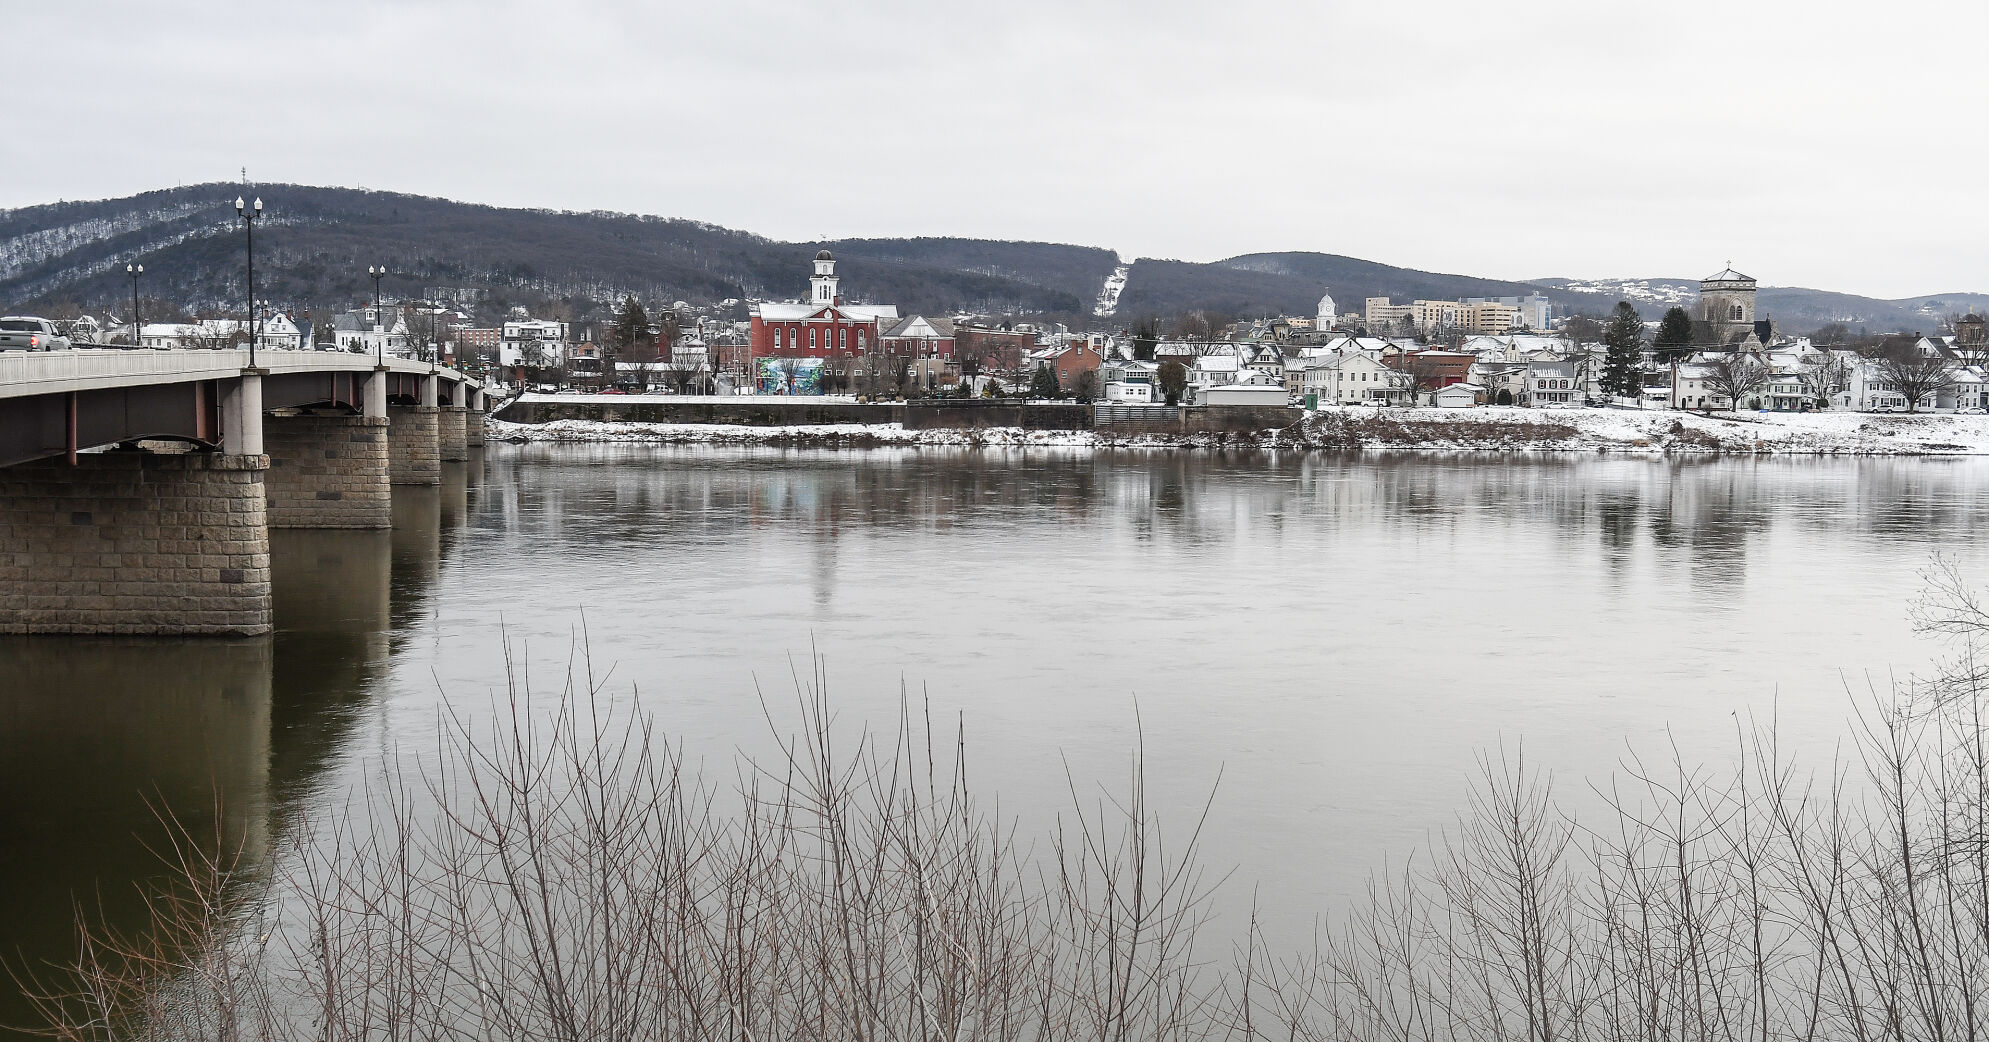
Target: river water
(1333, 638)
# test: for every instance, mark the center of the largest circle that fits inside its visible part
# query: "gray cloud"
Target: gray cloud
(1810, 143)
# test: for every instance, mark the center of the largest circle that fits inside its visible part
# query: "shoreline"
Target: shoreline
(1496, 430)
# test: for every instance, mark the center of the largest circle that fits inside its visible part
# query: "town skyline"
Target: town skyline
(1555, 142)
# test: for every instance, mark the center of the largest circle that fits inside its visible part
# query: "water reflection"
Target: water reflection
(96, 734)
(333, 594)
(1702, 515)
(416, 553)
(98, 738)
(1340, 633)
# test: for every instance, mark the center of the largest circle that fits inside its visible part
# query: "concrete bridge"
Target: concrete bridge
(138, 488)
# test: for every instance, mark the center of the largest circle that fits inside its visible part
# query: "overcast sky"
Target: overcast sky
(1810, 142)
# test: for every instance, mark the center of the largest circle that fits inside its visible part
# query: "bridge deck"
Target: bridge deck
(61, 402)
(26, 373)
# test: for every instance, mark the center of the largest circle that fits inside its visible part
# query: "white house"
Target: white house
(1129, 382)
(1504, 382)
(1551, 383)
(374, 330)
(278, 332)
(1355, 379)
(1214, 371)
(532, 343)
(275, 332)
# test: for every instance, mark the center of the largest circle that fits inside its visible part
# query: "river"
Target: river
(1333, 638)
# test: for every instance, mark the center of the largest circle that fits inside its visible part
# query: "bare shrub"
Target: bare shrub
(565, 873)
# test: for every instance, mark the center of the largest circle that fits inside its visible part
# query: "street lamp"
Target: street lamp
(137, 331)
(380, 343)
(250, 214)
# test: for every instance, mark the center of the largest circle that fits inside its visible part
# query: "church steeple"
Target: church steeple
(822, 287)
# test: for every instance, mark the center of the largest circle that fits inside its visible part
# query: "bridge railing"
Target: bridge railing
(26, 373)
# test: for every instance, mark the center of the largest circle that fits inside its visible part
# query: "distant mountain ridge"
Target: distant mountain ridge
(314, 246)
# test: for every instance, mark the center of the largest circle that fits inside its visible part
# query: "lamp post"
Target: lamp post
(250, 214)
(379, 343)
(137, 330)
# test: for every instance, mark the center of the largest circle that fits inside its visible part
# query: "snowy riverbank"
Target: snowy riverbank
(1485, 430)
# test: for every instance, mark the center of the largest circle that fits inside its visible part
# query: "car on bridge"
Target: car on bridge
(27, 333)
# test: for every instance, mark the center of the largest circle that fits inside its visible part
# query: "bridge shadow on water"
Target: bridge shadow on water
(231, 738)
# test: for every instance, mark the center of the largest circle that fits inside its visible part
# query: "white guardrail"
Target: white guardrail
(27, 373)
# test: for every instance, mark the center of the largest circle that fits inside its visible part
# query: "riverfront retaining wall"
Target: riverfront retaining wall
(751, 411)
(413, 452)
(452, 433)
(969, 413)
(135, 543)
(917, 414)
(327, 472)
(1196, 419)
(1237, 419)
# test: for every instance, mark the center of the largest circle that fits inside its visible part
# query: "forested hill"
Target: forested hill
(314, 245)
(1263, 284)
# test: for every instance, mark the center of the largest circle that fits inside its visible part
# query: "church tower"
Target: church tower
(1327, 314)
(1726, 305)
(823, 285)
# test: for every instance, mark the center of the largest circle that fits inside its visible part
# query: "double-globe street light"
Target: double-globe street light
(250, 214)
(137, 330)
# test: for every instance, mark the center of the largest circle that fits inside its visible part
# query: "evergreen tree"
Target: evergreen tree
(1621, 367)
(1674, 336)
(1146, 333)
(1044, 384)
(626, 338)
(1173, 380)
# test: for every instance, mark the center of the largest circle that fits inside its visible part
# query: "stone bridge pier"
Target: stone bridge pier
(140, 542)
(328, 469)
(452, 434)
(414, 449)
(473, 431)
(138, 490)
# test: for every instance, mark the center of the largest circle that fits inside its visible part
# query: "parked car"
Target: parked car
(27, 333)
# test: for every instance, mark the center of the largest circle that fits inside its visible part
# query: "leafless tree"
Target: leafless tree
(1918, 375)
(1421, 375)
(1734, 376)
(1824, 373)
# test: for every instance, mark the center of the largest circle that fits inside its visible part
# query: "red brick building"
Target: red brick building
(1439, 369)
(979, 349)
(824, 327)
(1072, 359)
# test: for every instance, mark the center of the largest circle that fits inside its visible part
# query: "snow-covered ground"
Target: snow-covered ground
(1488, 429)
(1108, 297)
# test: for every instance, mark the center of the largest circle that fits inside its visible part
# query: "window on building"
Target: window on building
(777, 340)
(859, 340)
(811, 340)
(842, 339)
